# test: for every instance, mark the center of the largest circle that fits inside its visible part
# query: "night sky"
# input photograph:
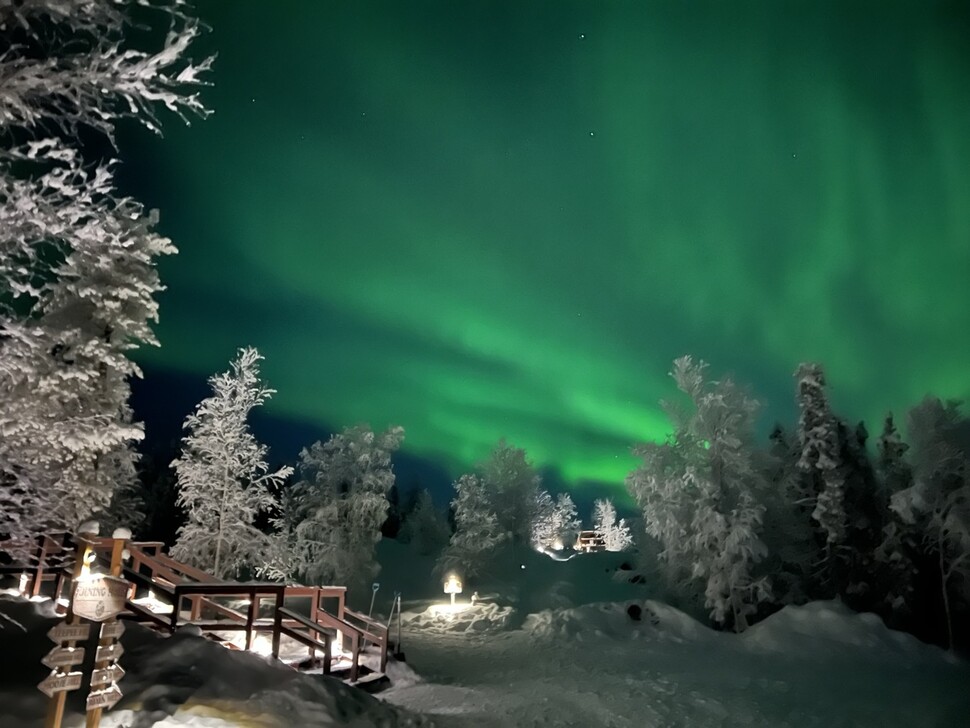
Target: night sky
(486, 219)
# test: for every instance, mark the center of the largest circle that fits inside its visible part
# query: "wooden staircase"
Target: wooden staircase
(167, 594)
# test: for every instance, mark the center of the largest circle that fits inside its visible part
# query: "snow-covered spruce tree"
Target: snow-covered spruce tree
(554, 521)
(425, 527)
(478, 531)
(938, 502)
(866, 511)
(616, 534)
(77, 260)
(330, 521)
(513, 486)
(224, 482)
(898, 553)
(699, 494)
(789, 531)
(821, 462)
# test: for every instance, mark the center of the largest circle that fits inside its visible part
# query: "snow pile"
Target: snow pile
(616, 620)
(824, 628)
(480, 618)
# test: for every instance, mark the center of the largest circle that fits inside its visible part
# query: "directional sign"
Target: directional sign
(63, 657)
(60, 683)
(106, 653)
(64, 632)
(104, 698)
(112, 630)
(106, 676)
(100, 597)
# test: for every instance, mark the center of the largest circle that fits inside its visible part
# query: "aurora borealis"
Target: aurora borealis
(488, 219)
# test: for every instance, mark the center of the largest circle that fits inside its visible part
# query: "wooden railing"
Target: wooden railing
(172, 583)
(590, 541)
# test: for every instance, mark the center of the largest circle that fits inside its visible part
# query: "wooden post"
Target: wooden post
(55, 710)
(314, 612)
(251, 618)
(39, 573)
(278, 623)
(117, 551)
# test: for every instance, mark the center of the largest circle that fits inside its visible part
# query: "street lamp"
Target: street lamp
(452, 586)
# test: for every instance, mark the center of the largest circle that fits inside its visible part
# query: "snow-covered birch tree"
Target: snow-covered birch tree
(224, 482)
(331, 518)
(77, 260)
(699, 494)
(616, 533)
(554, 521)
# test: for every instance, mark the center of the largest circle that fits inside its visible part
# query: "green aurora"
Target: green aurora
(487, 219)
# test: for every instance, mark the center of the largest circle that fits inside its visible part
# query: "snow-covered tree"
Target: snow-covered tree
(789, 531)
(331, 519)
(514, 488)
(425, 527)
(224, 482)
(554, 521)
(897, 554)
(938, 502)
(77, 260)
(821, 462)
(616, 533)
(699, 494)
(478, 531)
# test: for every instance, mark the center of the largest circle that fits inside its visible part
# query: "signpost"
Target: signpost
(103, 699)
(63, 657)
(60, 683)
(100, 597)
(102, 600)
(106, 676)
(112, 630)
(109, 653)
(64, 632)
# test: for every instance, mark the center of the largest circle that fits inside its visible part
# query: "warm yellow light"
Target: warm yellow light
(452, 586)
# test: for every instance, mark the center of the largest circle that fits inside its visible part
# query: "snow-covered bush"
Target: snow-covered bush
(224, 482)
(77, 260)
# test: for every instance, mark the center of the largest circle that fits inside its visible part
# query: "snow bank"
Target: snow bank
(616, 620)
(821, 629)
(464, 618)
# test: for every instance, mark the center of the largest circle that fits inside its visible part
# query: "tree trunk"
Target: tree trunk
(222, 520)
(946, 598)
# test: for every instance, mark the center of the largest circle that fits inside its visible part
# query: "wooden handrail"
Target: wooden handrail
(173, 581)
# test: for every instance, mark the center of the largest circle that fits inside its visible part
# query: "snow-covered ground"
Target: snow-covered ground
(554, 644)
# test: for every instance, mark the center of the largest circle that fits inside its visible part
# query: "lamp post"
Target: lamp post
(452, 586)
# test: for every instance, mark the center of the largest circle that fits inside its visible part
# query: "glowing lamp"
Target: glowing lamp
(452, 586)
